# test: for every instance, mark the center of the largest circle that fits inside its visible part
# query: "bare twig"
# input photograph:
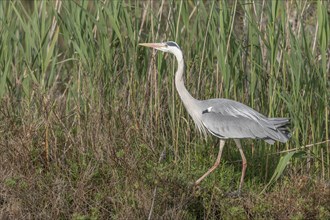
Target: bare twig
(231, 30)
(161, 158)
(146, 7)
(301, 147)
(190, 16)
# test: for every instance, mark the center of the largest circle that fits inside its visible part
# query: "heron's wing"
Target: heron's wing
(229, 119)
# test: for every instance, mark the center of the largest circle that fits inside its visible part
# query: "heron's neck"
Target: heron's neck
(190, 103)
(185, 96)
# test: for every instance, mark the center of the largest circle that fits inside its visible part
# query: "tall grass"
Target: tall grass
(86, 113)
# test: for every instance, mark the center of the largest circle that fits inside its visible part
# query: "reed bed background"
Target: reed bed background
(92, 128)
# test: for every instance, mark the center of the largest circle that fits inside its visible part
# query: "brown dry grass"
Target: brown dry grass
(81, 134)
(93, 173)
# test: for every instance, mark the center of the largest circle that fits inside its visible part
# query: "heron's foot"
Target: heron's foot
(234, 194)
(191, 185)
(196, 186)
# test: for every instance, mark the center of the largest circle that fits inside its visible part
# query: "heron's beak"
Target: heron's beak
(153, 45)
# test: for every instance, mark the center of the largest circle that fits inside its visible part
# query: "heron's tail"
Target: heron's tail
(280, 131)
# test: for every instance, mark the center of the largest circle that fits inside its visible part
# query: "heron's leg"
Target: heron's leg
(216, 164)
(244, 163)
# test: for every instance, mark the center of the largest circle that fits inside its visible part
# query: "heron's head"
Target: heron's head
(168, 46)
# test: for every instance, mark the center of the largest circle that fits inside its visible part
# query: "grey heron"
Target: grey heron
(224, 118)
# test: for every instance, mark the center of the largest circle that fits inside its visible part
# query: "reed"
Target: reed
(86, 114)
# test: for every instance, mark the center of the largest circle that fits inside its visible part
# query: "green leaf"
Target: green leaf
(282, 164)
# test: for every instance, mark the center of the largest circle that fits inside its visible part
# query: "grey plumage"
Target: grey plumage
(224, 118)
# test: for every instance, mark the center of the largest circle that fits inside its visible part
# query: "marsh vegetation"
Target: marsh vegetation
(86, 114)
